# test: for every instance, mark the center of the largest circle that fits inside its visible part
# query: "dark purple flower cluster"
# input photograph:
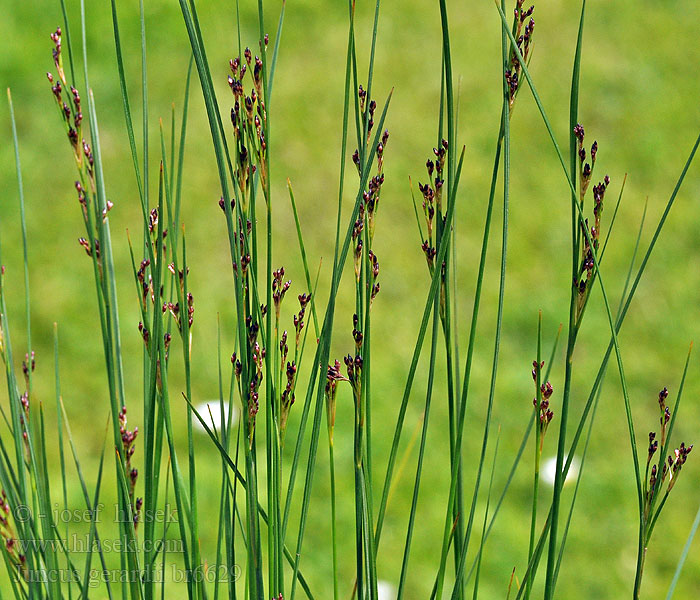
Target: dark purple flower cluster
(523, 37)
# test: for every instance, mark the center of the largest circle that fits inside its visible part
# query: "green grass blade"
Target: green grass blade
(480, 553)
(127, 108)
(23, 224)
(421, 451)
(232, 465)
(336, 258)
(573, 143)
(15, 408)
(144, 99)
(684, 555)
(181, 153)
(442, 251)
(59, 427)
(614, 216)
(275, 51)
(628, 412)
(93, 535)
(66, 33)
(565, 533)
(302, 250)
(596, 394)
(518, 456)
(505, 127)
(186, 348)
(323, 349)
(468, 364)
(86, 496)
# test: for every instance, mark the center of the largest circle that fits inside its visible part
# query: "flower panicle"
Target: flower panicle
(333, 376)
(523, 29)
(8, 536)
(304, 300)
(249, 122)
(670, 466)
(589, 232)
(432, 193)
(541, 401)
(69, 104)
(128, 438)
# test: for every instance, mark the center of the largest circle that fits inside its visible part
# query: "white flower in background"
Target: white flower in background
(548, 470)
(211, 413)
(385, 590)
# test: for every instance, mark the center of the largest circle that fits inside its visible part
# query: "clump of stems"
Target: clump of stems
(267, 368)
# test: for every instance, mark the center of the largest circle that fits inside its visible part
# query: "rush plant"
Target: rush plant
(296, 357)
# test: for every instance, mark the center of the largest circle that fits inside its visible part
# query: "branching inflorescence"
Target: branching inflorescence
(432, 200)
(70, 109)
(8, 536)
(669, 466)
(523, 36)
(587, 269)
(128, 448)
(541, 401)
(249, 120)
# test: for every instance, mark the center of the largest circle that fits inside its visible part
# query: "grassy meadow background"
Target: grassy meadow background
(639, 99)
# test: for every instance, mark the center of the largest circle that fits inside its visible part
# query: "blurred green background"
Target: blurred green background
(639, 99)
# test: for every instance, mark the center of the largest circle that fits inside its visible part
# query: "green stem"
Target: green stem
(538, 453)
(333, 514)
(419, 467)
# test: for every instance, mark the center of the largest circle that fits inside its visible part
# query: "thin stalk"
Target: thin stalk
(240, 478)
(59, 427)
(441, 253)
(323, 349)
(254, 573)
(467, 371)
(564, 536)
(538, 453)
(144, 98)
(480, 553)
(334, 536)
(625, 303)
(66, 33)
(25, 252)
(448, 335)
(628, 413)
(505, 127)
(573, 328)
(183, 299)
(12, 389)
(684, 555)
(421, 451)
